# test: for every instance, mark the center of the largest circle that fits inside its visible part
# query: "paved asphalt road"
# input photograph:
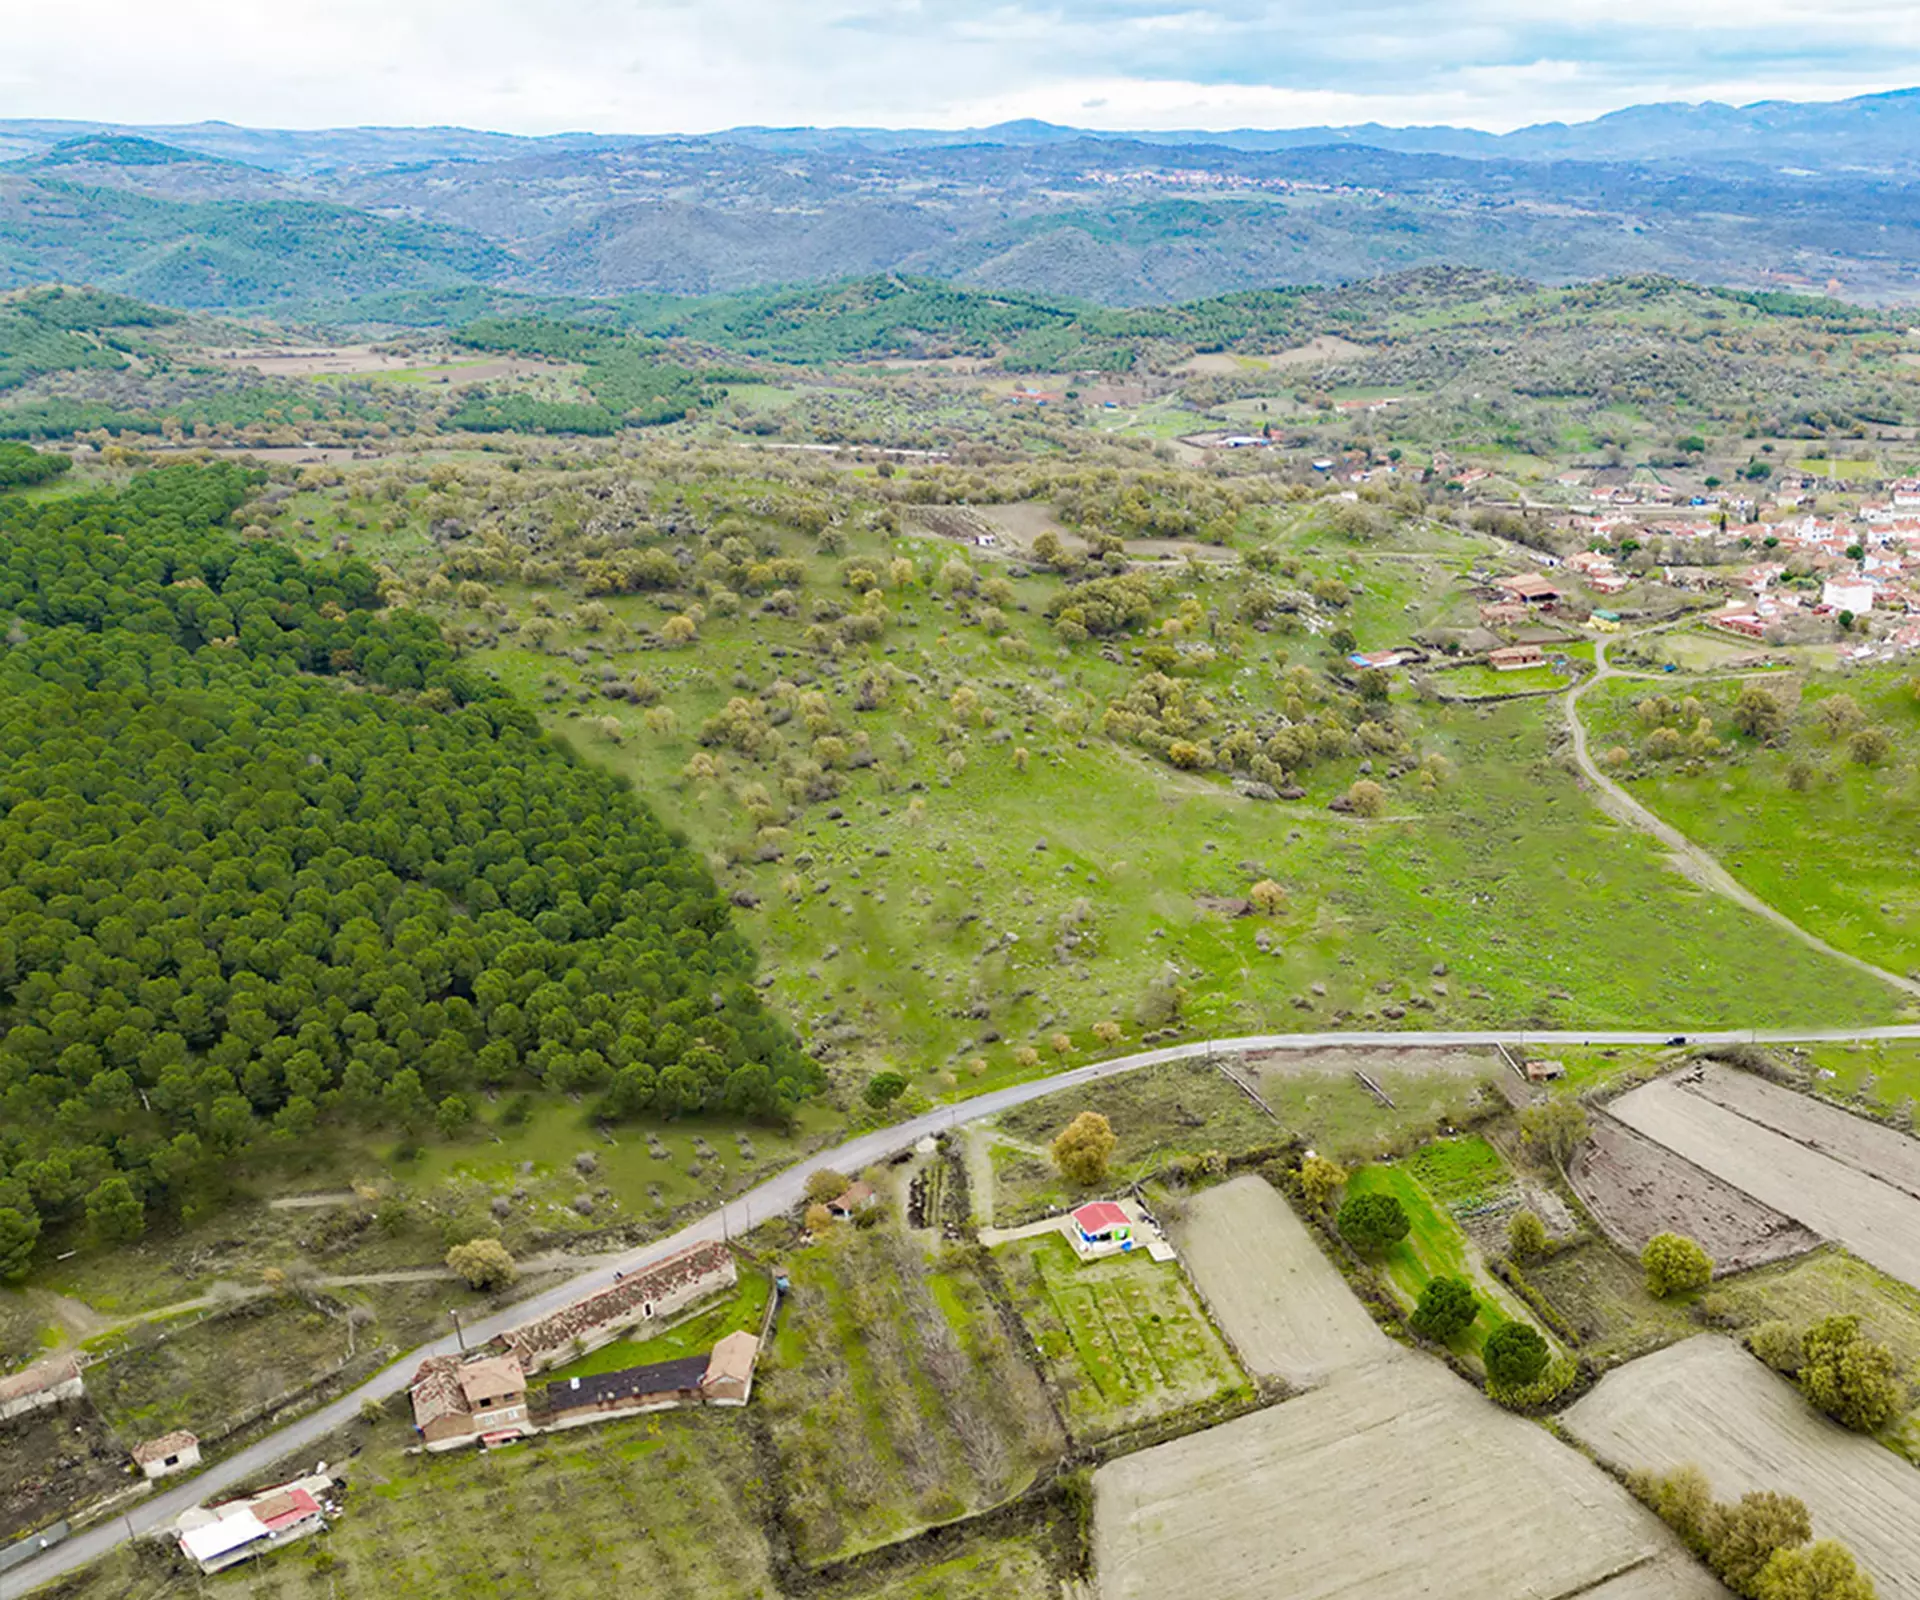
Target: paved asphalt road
(784, 1192)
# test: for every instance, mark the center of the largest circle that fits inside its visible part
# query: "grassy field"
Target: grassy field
(1124, 1341)
(206, 1376)
(1476, 682)
(1160, 1114)
(695, 1334)
(1826, 1283)
(664, 1505)
(1881, 1074)
(1438, 1247)
(958, 901)
(1820, 854)
(1603, 1297)
(894, 1396)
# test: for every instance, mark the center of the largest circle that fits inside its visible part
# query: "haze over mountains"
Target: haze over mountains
(1778, 194)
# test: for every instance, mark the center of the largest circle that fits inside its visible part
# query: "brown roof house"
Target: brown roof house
(168, 1454)
(1514, 657)
(724, 1378)
(858, 1197)
(1530, 587)
(45, 1383)
(456, 1402)
(729, 1376)
(657, 1291)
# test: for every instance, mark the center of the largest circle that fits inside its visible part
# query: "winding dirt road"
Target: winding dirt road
(1688, 858)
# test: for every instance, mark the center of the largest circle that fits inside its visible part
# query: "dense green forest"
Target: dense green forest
(240, 900)
(21, 466)
(60, 330)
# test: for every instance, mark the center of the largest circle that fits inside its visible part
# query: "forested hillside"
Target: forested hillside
(240, 903)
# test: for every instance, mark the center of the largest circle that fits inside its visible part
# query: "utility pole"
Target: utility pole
(459, 1332)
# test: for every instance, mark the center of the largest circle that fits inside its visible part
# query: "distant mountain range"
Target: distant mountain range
(1802, 197)
(1873, 133)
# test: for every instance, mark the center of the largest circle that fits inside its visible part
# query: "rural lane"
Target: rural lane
(1688, 858)
(784, 1192)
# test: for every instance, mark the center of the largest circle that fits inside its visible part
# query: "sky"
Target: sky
(656, 66)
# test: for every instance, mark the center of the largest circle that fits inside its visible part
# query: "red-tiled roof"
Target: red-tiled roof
(616, 1306)
(277, 1511)
(1099, 1215)
(168, 1444)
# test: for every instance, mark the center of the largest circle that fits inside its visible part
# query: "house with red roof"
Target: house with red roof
(1099, 1228)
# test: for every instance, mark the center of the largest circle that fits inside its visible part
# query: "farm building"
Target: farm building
(1503, 614)
(1100, 1228)
(1545, 1071)
(456, 1402)
(1516, 657)
(170, 1453)
(657, 1291)
(729, 1376)
(723, 1378)
(858, 1197)
(45, 1383)
(1530, 587)
(217, 1537)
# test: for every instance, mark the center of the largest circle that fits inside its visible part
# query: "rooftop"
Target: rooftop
(168, 1444)
(1099, 1215)
(629, 1383)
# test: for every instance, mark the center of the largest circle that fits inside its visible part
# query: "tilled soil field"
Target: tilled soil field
(1392, 1481)
(1275, 1295)
(1707, 1402)
(1870, 1147)
(1828, 1193)
(1637, 1188)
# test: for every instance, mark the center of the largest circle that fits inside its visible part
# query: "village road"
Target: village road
(784, 1192)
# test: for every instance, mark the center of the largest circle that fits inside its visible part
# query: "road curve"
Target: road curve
(784, 1192)
(1689, 858)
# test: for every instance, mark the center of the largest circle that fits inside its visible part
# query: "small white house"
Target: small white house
(168, 1454)
(1845, 594)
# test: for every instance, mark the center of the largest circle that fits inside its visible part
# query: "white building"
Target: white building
(1847, 594)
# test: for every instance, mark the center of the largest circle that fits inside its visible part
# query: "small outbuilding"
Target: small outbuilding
(170, 1453)
(1516, 657)
(1100, 1228)
(1545, 1071)
(858, 1197)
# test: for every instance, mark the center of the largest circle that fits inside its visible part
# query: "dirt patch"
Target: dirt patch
(1709, 1403)
(54, 1462)
(1813, 1162)
(1278, 1299)
(366, 360)
(1637, 1188)
(1393, 1481)
(1327, 347)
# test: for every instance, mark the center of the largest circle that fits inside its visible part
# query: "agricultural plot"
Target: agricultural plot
(1637, 1188)
(662, 1506)
(1124, 1340)
(1437, 1247)
(1837, 1174)
(53, 1463)
(1393, 1481)
(1279, 1300)
(895, 1397)
(1317, 1095)
(1706, 1402)
(211, 1376)
(1603, 1297)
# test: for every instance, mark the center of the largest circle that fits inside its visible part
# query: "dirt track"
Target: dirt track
(1274, 1293)
(1707, 1402)
(1839, 1198)
(1638, 1188)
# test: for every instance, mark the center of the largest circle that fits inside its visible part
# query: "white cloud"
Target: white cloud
(677, 65)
